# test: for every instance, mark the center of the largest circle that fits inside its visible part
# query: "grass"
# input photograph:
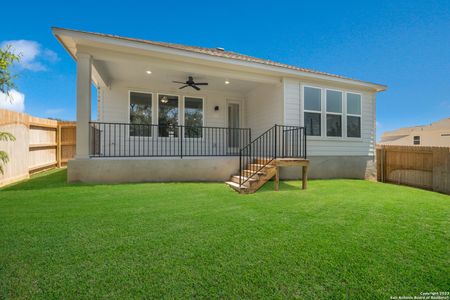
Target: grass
(338, 239)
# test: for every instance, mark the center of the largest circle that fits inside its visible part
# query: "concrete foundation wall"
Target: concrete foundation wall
(151, 170)
(117, 170)
(323, 167)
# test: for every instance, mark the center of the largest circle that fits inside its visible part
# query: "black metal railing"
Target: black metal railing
(147, 140)
(280, 141)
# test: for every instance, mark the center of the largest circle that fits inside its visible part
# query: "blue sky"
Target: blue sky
(403, 44)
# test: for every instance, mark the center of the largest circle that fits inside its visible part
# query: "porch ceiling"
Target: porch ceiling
(135, 73)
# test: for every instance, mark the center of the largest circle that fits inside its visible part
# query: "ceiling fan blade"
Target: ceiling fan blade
(201, 83)
(195, 87)
(179, 82)
(182, 87)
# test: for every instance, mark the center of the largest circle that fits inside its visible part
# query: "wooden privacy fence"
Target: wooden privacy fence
(423, 167)
(40, 144)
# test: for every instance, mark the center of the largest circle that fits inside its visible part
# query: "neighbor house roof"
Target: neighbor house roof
(220, 52)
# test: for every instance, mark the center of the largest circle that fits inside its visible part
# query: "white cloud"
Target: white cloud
(31, 54)
(50, 55)
(14, 101)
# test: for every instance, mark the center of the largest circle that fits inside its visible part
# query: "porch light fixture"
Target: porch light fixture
(164, 100)
(227, 82)
(148, 72)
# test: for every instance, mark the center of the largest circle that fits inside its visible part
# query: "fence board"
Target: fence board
(423, 167)
(40, 144)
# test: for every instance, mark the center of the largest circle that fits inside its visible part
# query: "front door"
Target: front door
(234, 118)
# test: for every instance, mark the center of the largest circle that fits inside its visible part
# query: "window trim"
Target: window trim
(155, 108)
(129, 114)
(334, 113)
(180, 108)
(203, 107)
(323, 112)
(302, 89)
(203, 118)
(354, 115)
(414, 140)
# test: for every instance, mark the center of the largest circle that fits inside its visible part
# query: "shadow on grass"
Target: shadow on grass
(50, 179)
(284, 186)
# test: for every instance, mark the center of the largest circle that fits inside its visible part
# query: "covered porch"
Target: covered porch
(145, 110)
(165, 114)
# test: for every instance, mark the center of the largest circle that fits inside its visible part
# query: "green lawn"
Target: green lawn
(338, 239)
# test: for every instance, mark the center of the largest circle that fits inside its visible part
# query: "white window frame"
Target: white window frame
(203, 114)
(354, 115)
(128, 113)
(313, 111)
(155, 110)
(323, 136)
(334, 113)
(180, 109)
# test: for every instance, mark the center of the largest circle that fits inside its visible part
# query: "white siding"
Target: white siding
(264, 108)
(292, 107)
(115, 104)
(324, 146)
(114, 140)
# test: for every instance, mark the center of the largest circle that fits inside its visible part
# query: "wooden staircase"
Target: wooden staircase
(263, 171)
(261, 159)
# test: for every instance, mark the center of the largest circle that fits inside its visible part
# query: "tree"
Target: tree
(7, 59)
(5, 136)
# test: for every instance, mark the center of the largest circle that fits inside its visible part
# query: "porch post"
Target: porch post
(84, 72)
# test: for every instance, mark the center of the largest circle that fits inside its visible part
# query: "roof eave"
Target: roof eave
(58, 32)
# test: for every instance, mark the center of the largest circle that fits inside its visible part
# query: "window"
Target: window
(353, 115)
(334, 113)
(193, 117)
(312, 107)
(416, 140)
(168, 116)
(140, 114)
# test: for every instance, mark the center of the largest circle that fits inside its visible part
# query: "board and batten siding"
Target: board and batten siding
(324, 146)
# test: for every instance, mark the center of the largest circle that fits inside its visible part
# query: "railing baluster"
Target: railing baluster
(160, 140)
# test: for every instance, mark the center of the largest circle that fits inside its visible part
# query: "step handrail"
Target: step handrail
(279, 141)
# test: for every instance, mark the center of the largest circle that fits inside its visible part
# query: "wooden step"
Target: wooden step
(248, 181)
(237, 187)
(251, 172)
(262, 160)
(256, 167)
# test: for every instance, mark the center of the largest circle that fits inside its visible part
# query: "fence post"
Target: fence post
(58, 144)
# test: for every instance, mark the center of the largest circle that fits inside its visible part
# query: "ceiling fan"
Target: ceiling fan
(190, 82)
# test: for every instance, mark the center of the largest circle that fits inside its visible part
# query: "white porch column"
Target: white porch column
(84, 70)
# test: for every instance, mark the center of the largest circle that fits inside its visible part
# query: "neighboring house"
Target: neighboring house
(149, 128)
(435, 134)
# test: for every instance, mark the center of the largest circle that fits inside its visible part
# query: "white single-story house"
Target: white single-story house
(169, 112)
